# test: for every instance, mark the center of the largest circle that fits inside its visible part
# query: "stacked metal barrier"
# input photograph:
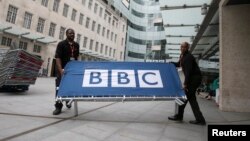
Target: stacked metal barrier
(3, 52)
(19, 68)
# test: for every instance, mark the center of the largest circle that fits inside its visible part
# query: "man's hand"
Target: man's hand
(61, 72)
(185, 88)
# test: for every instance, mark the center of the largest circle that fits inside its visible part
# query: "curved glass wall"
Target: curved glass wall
(142, 33)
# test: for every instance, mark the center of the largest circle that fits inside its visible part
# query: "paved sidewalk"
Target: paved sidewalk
(28, 117)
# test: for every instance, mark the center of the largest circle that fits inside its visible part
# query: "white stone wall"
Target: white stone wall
(48, 50)
(234, 58)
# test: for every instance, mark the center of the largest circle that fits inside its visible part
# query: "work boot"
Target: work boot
(58, 109)
(176, 118)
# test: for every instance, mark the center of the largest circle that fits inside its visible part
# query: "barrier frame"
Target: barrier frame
(178, 100)
(116, 98)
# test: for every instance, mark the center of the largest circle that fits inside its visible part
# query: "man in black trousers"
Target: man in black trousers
(66, 51)
(192, 81)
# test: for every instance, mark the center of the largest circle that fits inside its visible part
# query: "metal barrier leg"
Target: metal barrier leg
(68, 103)
(176, 108)
(75, 107)
(178, 103)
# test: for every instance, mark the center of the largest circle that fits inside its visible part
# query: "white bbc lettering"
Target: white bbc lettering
(95, 78)
(150, 79)
(123, 78)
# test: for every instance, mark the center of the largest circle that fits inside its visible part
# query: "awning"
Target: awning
(193, 21)
(96, 55)
(25, 33)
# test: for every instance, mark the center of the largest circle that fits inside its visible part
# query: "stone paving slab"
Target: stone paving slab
(28, 117)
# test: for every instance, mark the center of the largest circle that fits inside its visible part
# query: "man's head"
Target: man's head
(184, 47)
(70, 33)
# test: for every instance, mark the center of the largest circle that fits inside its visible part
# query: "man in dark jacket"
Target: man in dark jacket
(192, 81)
(66, 51)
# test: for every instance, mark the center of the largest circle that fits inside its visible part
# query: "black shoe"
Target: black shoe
(58, 106)
(197, 122)
(68, 105)
(175, 118)
(57, 111)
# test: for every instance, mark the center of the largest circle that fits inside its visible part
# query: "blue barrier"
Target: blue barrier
(130, 81)
(112, 79)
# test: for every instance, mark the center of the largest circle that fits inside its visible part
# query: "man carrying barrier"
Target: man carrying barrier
(119, 81)
(66, 50)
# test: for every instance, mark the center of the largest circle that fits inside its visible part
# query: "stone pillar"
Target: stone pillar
(234, 57)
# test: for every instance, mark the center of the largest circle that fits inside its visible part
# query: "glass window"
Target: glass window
(126, 3)
(115, 37)
(81, 19)
(121, 55)
(112, 34)
(145, 42)
(142, 28)
(27, 20)
(107, 33)
(85, 41)
(91, 44)
(52, 29)
(83, 2)
(123, 28)
(11, 16)
(45, 3)
(98, 29)
(135, 55)
(139, 41)
(109, 20)
(65, 10)
(110, 51)
(78, 38)
(96, 46)
(101, 49)
(73, 16)
(100, 12)
(106, 50)
(136, 27)
(93, 26)
(95, 8)
(56, 5)
(114, 50)
(23, 45)
(105, 16)
(37, 48)
(87, 22)
(138, 14)
(61, 34)
(141, 2)
(90, 4)
(6, 41)
(40, 25)
(122, 41)
(103, 31)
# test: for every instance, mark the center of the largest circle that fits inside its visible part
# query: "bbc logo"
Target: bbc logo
(122, 78)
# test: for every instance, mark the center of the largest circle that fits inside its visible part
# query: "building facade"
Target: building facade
(38, 25)
(145, 37)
